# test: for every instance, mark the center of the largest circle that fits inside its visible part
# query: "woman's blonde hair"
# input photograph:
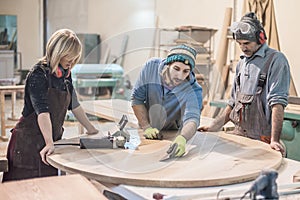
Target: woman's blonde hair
(62, 43)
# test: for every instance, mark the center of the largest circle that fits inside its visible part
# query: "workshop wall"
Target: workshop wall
(287, 16)
(127, 24)
(29, 31)
(135, 21)
(114, 20)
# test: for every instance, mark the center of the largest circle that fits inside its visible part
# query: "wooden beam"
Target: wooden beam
(294, 100)
(218, 83)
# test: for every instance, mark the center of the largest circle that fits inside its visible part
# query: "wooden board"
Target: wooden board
(112, 109)
(213, 159)
(221, 72)
(292, 111)
(296, 177)
(293, 107)
(5, 90)
(71, 187)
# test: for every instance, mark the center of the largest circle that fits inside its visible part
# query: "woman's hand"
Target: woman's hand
(46, 151)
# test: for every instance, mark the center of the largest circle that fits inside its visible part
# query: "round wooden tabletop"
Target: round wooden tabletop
(213, 159)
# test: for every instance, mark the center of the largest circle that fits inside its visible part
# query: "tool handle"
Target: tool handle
(172, 150)
(123, 122)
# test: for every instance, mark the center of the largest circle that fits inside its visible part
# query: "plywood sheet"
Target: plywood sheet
(296, 177)
(292, 111)
(112, 109)
(293, 107)
(213, 159)
(71, 187)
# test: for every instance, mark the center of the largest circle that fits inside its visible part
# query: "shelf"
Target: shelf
(201, 38)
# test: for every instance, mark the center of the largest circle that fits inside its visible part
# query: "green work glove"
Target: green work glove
(151, 133)
(181, 142)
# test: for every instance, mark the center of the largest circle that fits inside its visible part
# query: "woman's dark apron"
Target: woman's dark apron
(27, 140)
(248, 113)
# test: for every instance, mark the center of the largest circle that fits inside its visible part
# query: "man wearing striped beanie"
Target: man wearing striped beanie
(167, 96)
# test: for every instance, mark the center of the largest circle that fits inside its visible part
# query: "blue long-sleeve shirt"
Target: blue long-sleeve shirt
(277, 84)
(177, 106)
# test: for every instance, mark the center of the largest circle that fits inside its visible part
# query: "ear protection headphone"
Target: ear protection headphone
(261, 37)
(260, 34)
(61, 72)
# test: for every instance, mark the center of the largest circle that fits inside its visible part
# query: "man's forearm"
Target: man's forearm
(141, 114)
(277, 120)
(188, 130)
(220, 120)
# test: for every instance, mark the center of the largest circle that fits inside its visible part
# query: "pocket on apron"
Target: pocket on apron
(236, 113)
(246, 99)
(26, 151)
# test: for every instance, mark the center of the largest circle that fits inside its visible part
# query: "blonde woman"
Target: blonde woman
(49, 93)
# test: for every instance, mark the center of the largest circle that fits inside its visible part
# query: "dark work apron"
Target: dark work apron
(248, 113)
(27, 140)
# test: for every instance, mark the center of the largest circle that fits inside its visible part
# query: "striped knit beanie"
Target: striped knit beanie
(182, 53)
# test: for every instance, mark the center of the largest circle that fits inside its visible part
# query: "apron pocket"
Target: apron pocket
(27, 149)
(235, 113)
(246, 99)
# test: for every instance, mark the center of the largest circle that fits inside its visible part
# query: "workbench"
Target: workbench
(10, 89)
(290, 135)
(113, 109)
(232, 157)
(214, 161)
(287, 189)
(292, 111)
(71, 187)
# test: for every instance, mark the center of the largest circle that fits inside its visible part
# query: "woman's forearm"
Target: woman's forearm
(45, 125)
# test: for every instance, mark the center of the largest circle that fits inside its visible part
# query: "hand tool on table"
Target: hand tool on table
(170, 153)
(116, 140)
(177, 149)
(264, 186)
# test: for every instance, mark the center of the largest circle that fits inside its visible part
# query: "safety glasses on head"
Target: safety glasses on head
(242, 27)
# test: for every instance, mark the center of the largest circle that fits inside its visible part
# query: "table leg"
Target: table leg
(13, 103)
(2, 104)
